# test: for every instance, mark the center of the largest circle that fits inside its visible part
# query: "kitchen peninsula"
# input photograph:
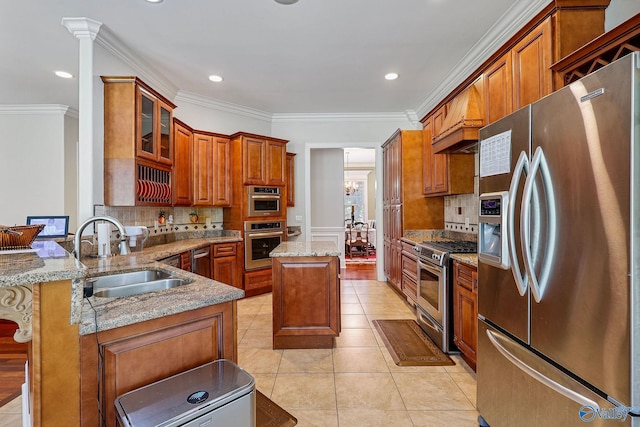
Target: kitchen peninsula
(141, 338)
(306, 295)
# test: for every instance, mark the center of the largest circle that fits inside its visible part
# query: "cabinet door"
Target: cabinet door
(202, 169)
(254, 161)
(291, 197)
(164, 133)
(182, 193)
(440, 173)
(146, 124)
(427, 157)
(386, 180)
(498, 90)
(276, 154)
(396, 170)
(465, 315)
(531, 57)
(221, 172)
(225, 270)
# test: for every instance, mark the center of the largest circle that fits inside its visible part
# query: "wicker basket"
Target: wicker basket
(10, 240)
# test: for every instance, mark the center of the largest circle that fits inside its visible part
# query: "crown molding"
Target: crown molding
(214, 104)
(116, 47)
(516, 17)
(344, 117)
(53, 109)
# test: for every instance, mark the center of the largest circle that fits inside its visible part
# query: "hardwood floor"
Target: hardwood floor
(359, 272)
(12, 358)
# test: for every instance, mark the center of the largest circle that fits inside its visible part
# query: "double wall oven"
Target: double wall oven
(435, 289)
(260, 238)
(264, 202)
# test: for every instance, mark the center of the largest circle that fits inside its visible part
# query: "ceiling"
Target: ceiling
(312, 57)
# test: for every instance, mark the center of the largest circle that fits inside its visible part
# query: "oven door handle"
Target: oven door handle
(428, 322)
(260, 196)
(431, 268)
(267, 234)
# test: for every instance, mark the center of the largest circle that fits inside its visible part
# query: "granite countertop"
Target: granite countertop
(55, 264)
(303, 249)
(470, 259)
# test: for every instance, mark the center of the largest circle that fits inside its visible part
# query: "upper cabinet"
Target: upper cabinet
(211, 169)
(138, 144)
(291, 197)
(263, 159)
(153, 127)
(182, 189)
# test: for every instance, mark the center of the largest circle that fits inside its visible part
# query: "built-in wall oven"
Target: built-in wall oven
(435, 289)
(260, 238)
(264, 201)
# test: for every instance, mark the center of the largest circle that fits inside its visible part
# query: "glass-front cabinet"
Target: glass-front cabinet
(154, 128)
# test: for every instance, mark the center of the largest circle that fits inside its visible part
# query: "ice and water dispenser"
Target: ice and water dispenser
(492, 233)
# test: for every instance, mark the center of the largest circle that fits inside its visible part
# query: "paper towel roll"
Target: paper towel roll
(104, 239)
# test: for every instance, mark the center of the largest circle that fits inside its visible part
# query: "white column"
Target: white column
(85, 30)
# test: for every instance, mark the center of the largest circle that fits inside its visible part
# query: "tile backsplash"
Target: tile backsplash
(461, 211)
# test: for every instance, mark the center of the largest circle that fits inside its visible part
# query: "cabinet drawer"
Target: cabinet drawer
(224, 249)
(409, 266)
(410, 287)
(463, 275)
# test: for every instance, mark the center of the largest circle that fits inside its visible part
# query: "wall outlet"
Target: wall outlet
(298, 218)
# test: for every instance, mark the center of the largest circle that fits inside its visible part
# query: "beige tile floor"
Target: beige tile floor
(355, 384)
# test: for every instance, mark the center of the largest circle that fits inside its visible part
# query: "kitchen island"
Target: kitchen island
(306, 295)
(140, 338)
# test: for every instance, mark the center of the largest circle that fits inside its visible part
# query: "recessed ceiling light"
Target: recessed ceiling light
(154, 1)
(286, 1)
(64, 74)
(391, 76)
(215, 78)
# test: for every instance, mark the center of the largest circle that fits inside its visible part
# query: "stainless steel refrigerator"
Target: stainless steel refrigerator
(559, 257)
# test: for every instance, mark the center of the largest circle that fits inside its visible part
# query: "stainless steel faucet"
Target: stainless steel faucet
(124, 248)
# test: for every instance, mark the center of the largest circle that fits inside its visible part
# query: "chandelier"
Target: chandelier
(350, 187)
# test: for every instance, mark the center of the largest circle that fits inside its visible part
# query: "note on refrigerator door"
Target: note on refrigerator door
(495, 154)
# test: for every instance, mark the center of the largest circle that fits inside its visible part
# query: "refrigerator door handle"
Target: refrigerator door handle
(522, 166)
(538, 286)
(559, 388)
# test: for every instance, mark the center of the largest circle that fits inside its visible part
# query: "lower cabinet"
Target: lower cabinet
(225, 263)
(306, 302)
(465, 311)
(132, 356)
(409, 272)
(257, 282)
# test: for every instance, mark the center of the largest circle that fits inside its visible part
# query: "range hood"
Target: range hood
(460, 127)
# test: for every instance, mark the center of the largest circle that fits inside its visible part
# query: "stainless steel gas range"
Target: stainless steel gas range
(435, 289)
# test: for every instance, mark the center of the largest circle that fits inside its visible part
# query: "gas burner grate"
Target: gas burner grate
(453, 246)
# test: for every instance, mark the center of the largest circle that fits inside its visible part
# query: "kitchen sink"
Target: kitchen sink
(138, 288)
(132, 283)
(129, 278)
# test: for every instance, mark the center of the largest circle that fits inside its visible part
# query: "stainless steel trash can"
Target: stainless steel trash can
(219, 393)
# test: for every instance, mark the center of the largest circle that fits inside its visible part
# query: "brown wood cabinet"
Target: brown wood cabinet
(185, 261)
(444, 174)
(263, 159)
(142, 353)
(138, 144)
(409, 272)
(221, 171)
(306, 302)
(202, 169)
(182, 192)
(291, 196)
(404, 206)
(465, 311)
(226, 263)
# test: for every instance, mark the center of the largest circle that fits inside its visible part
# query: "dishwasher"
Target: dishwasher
(219, 393)
(202, 262)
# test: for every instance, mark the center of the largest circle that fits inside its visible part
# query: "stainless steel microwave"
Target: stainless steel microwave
(264, 201)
